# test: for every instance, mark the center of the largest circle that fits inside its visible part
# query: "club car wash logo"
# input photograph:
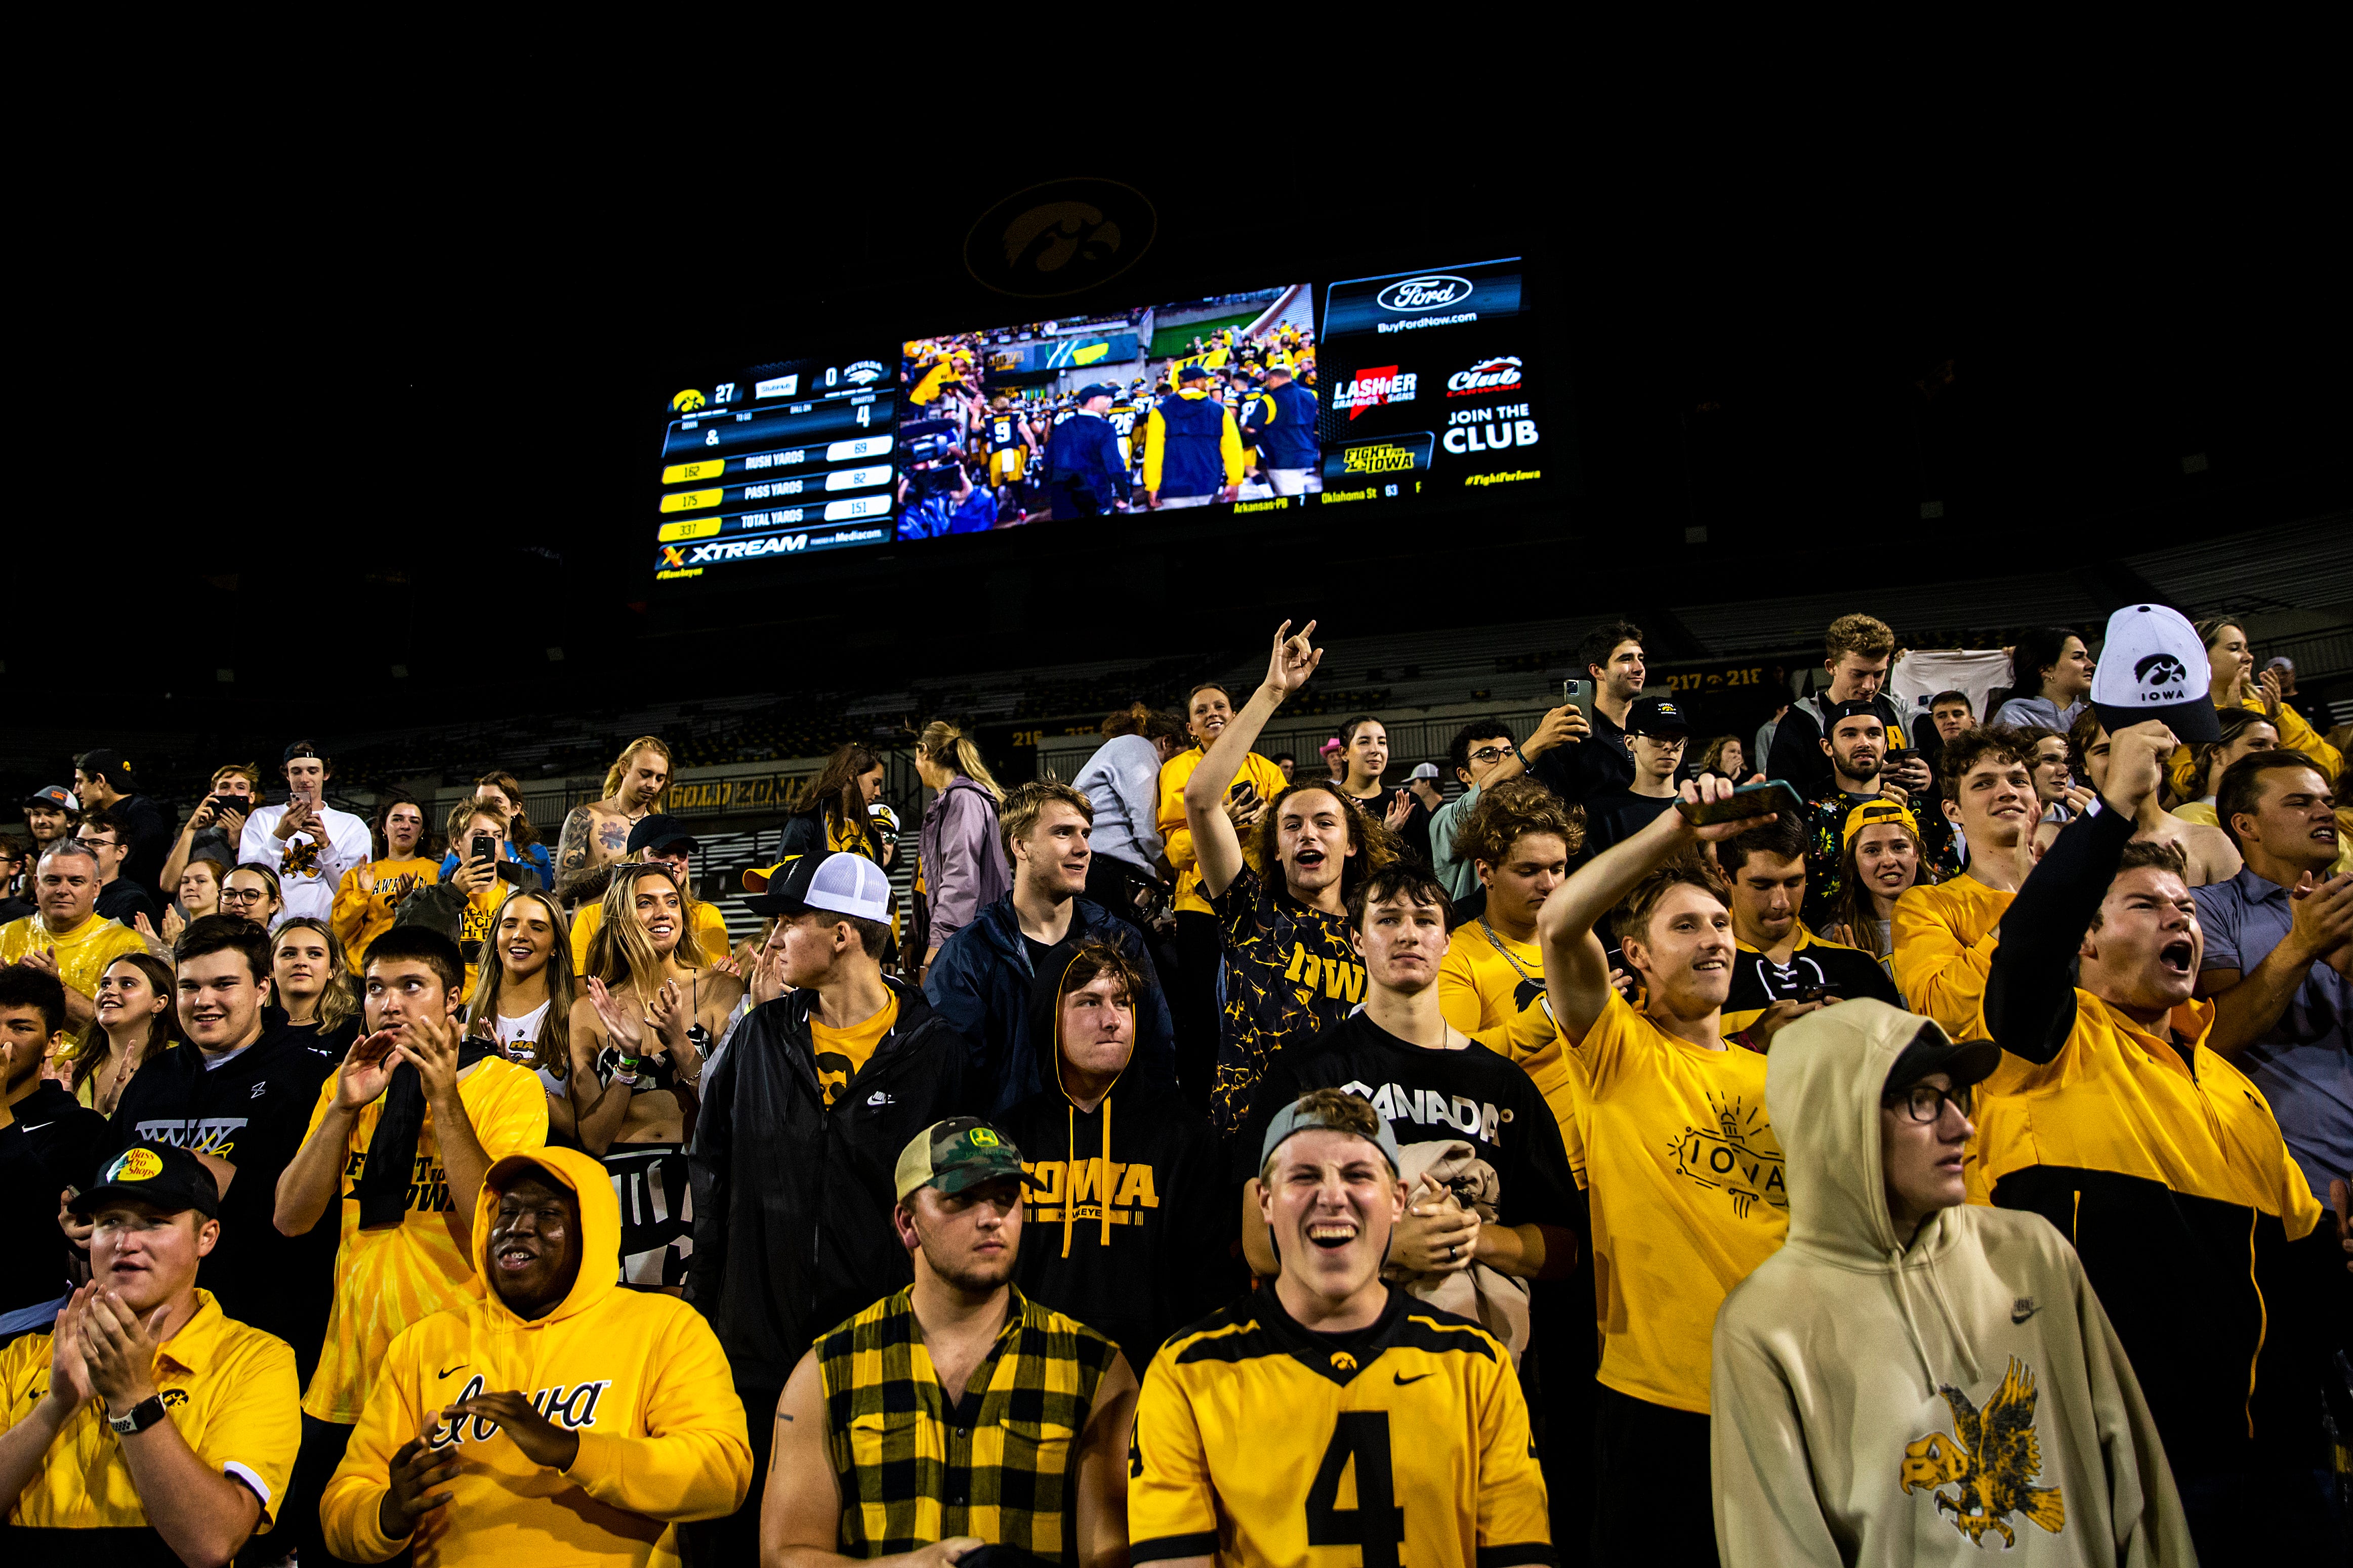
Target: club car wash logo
(1374, 387)
(1432, 291)
(1488, 375)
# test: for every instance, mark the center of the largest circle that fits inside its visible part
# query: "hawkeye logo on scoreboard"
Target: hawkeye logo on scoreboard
(687, 401)
(1372, 388)
(1366, 459)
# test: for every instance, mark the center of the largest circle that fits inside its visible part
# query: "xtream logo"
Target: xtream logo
(1374, 387)
(779, 544)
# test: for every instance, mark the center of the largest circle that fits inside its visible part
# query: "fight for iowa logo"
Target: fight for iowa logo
(1738, 1155)
(1989, 1460)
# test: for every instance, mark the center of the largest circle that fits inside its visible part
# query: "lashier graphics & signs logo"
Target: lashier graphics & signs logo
(1371, 388)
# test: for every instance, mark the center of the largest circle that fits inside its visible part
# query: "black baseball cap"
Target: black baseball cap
(1964, 1062)
(173, 1179)
(1098, 389)
(106, 762)
(1656, 716)
(661, 831)
(1836, 713)
(1196, 371)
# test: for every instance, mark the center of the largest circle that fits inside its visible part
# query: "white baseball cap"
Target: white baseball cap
(2152, 666)
(842, 883)
(1424, 771)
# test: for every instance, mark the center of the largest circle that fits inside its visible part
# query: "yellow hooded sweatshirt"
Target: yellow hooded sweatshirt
(1883, 1400)
(639, 1376)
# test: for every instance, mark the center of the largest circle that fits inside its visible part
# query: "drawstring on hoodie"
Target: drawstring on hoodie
(1101, 1164)
(1970, 1371)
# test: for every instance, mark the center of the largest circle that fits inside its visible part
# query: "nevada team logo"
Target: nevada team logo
(1373, 388)
(1989, 1458)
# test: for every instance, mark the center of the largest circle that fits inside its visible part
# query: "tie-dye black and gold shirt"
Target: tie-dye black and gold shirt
(1291, 973)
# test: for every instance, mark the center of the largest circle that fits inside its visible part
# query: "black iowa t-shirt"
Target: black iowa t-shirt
(1472, 1094)
(1291, 973)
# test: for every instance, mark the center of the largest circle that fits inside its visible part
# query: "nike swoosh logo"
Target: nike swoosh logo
(2019, 1317)
(1402, 1379)
(459, 1367)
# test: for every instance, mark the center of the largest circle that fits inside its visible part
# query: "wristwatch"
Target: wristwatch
(139, 1417)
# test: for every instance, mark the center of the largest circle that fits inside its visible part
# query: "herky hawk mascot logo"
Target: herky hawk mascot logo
(2161, 670)
(1989, 1458)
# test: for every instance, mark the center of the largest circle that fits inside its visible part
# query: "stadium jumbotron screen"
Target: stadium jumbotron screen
(1403, 388)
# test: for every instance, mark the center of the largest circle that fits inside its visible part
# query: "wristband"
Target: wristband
(139, 1417)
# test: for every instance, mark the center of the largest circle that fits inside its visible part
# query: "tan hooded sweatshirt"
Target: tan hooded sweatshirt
(1883, 1403)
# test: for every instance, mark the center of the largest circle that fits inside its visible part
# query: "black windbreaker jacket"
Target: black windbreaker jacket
(793, 1200)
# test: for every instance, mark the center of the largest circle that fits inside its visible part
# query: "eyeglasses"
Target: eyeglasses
(241, 895)
(1491, 754)
(1926, 1102)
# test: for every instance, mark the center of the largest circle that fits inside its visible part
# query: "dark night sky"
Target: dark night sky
(392, 377)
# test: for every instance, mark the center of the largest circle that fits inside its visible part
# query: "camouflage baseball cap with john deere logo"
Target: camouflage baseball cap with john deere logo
(953, 1156)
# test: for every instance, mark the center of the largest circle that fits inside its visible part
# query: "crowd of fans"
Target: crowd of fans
(1230, 416)
(1940, 1131)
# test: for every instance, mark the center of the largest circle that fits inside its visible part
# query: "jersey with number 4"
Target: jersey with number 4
(1406, 1446)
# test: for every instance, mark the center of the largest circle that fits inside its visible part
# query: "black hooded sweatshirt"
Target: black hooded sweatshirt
(252, 1110)
(1151, 1256)
(793, 1198)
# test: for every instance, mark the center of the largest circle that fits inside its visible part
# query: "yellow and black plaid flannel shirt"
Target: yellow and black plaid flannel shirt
(1002, 1463)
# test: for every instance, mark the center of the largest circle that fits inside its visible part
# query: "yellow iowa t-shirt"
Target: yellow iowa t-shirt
(390, 1278)
(1689, 1196)
(83, 952)
(1477, 988)
(841, 1053)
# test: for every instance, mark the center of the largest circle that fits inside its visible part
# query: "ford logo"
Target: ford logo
(1425, 293)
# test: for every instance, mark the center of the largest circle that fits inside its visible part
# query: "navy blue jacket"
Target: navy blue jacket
(1084, 451)
(1280, 421)
(980, 984)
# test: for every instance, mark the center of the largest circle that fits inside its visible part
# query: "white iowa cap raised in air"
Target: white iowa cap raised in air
(2152, 666)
